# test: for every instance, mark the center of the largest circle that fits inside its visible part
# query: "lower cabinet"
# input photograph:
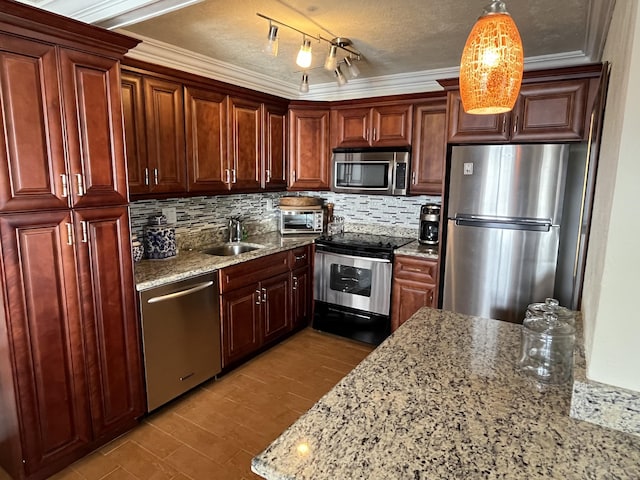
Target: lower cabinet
(414, 286)
(262, 301)
(70, 363)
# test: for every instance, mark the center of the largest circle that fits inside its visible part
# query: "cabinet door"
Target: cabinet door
(467, 128)
(43, 320)
(241, 330)
(245, 125)
(94, 126)
(110, 323)
(351, 127)
(429, 147)
(164, 119)
(276, 297)
(32, 155)
(206, 127)
(134, 132)
(551, 111)
(309, 153)
(275, 148)
(302, 297)
(408, 298)
(391, 126)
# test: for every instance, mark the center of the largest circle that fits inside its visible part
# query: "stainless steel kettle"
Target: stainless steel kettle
(235, 229)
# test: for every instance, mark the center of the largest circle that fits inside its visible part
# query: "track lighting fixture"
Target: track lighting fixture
(341, 79)
(331, 61)
(271, 47)
(304, 83)
(304, 55)
(354, 71)
(304, 58)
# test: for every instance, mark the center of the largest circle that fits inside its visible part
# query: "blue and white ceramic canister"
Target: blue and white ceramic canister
(159, 239)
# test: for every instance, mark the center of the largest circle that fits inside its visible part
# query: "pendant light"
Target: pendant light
(304, 55)
(331, 61)
(492, 63)
(340, 78)
(353, 68)
(304, 83)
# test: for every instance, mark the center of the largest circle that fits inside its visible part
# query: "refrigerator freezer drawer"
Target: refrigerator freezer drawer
(497, 272)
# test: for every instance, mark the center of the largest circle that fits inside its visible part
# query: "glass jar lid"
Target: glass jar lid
(550, 305)
(548, 324)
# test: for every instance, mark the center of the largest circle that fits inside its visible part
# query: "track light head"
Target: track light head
(304, 83)
(340, 78)
(271, 47)
(353, 68)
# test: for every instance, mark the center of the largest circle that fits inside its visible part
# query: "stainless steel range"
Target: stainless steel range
(352, 285)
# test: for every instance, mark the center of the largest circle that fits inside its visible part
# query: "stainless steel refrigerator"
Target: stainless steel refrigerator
(503, 232)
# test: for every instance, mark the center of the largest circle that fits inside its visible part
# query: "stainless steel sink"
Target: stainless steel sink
(229, 249)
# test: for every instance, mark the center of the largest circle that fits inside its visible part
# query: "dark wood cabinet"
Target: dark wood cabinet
(245, 144)
(545, 111)
(134, 132)
(241, 329)
(429, 150)
(205, 114)
(276, 307)
(110, 322)
(164, 127)
(414, 286)
(70, 363)
(275, 148)
(309, 150)
(371, 126)
(301, 261)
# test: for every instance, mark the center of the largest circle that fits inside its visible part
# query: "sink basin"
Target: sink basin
(229, 249)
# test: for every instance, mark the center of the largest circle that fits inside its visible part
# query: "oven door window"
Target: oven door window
(371, 175)
(351, 280)
(298, 221)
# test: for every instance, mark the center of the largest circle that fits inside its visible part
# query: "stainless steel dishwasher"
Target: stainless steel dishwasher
(181, 337)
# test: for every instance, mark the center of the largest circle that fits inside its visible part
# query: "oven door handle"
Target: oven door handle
(356, 257)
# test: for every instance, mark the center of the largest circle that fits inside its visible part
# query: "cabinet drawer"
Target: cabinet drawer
(253, 271)
(416, 269)
(300, 257)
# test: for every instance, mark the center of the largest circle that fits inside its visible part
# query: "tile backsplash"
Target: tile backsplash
(201, 220)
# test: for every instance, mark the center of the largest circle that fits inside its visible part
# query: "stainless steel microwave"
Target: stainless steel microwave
(298, 220)
(379, 172)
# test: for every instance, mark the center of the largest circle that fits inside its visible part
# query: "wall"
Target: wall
(610, 307)
(205, 218)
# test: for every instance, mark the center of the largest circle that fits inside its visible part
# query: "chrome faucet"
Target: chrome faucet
(235, 229)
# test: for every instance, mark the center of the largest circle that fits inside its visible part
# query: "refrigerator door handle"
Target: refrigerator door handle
(504, 223)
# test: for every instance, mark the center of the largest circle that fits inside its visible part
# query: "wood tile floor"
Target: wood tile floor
(213, 432)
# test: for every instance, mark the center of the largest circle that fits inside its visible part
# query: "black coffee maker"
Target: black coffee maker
(429, 224)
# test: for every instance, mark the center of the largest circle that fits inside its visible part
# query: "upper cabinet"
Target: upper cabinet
(309, 151)
(552, 106)
(190, 136)
(62, 137)
(376, 126)
(429, 148)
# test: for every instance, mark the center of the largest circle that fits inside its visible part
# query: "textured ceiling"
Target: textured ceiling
(395, 37)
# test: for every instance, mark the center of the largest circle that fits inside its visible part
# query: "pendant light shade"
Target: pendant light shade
(304, 83)
(492, 63)
(304, 55)
(331, 61)
(271, 47)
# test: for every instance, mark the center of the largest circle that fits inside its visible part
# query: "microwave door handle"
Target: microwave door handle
(393, 173)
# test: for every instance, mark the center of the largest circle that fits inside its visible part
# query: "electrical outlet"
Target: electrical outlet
(170, 214)
(269, 204)
(468, 168)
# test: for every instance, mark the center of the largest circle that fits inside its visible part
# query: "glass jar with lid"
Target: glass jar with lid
(546, 349)
(551, 305)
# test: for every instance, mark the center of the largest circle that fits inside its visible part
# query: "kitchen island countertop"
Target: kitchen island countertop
(439, 399)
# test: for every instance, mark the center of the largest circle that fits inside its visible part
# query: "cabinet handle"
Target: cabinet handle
(413, 178)
(294, 175)
(301, 257)
(65, 190)
(366, 135)
(268, 173)
(504, 124)
(155, 176)
(69, 234)
(264, 295)
(233, 174)
(258, 301)
(295, 283)
(85, 235)
(80, 182)
(146, 176)
(375, 137)
(227, 175)
(431, 298)
(515, 124)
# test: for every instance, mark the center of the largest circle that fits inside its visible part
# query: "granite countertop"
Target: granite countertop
(440, 399)
(153, 273)
(416, 249)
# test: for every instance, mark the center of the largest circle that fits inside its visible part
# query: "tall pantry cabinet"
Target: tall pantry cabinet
(70, 363)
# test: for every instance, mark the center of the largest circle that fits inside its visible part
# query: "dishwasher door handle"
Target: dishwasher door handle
(181, 293)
